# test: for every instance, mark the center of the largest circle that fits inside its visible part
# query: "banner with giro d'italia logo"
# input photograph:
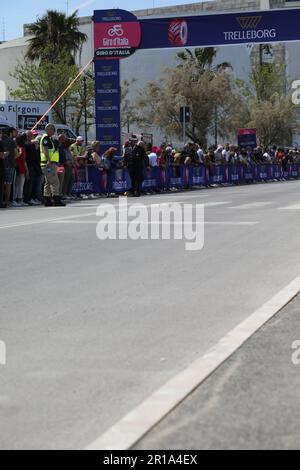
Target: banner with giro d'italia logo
(117, 34)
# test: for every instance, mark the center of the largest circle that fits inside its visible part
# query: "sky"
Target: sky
(14, 14)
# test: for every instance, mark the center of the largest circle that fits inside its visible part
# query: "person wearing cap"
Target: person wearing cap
(49, 164)
(78, 149)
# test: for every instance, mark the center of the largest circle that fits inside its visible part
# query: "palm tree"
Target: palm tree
(57, 31)
(204, 58)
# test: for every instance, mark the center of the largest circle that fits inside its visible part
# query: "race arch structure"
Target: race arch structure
(118, 34)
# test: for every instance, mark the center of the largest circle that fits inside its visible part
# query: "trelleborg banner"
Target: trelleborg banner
(221, 29)
(118, 34)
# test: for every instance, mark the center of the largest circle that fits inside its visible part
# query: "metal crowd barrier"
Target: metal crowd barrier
(90, 179)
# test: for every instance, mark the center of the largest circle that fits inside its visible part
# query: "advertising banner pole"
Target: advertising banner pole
(117, 35)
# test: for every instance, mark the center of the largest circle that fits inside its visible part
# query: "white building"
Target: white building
(148, 64)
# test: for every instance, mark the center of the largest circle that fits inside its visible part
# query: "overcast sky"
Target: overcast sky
(14, 14)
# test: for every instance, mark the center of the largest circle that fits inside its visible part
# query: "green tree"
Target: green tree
(79, 100)
(46, 82)
(265, 105)
(196, 83)
(273, 119)
(160, 101)
(58, 30)
(129, 114)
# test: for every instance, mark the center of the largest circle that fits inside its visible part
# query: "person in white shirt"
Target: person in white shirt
(267, 157)
(226, 154)
(200, 154)
(218, 154)
(153, 157)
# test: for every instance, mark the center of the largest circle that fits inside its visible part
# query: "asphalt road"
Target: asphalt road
(252, 402)
(92, 328)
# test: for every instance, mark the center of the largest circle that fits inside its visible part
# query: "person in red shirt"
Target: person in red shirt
(280, 155)
(21, 172)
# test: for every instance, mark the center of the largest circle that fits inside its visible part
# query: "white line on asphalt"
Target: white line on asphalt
(252, 205)
(136, 424)
(198, 193)
(166, 203)
(84, 205)
(212, 204)
(77, 216)
(293, 207)
(83, 222)
(231, 223)
(43, 221)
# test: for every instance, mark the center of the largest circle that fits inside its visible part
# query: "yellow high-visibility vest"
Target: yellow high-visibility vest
(53, 153)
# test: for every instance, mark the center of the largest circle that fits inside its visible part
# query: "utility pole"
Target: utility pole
(261, 48)
(216, 125)
(128, 124)
(185, 117)
(85, 108)
(184, 128)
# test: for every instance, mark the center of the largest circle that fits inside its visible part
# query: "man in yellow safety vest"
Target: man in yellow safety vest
(49, 162)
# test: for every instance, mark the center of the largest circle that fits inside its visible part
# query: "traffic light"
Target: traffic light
(185, 114)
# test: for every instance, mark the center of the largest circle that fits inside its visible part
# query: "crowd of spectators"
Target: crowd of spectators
(21, 177)
(219, 155)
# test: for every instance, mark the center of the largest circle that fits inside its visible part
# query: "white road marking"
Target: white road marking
(251, 205)
(43, 221)
(83, 222)
(293, 207)
(136, 424)
(66, 217)
(198, 193)
(84, 205)
(77, 216)
(213, 204)
(231, 223)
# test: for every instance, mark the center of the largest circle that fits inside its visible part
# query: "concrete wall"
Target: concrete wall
(11, 53)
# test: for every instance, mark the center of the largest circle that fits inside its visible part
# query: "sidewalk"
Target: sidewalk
(251, 402)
